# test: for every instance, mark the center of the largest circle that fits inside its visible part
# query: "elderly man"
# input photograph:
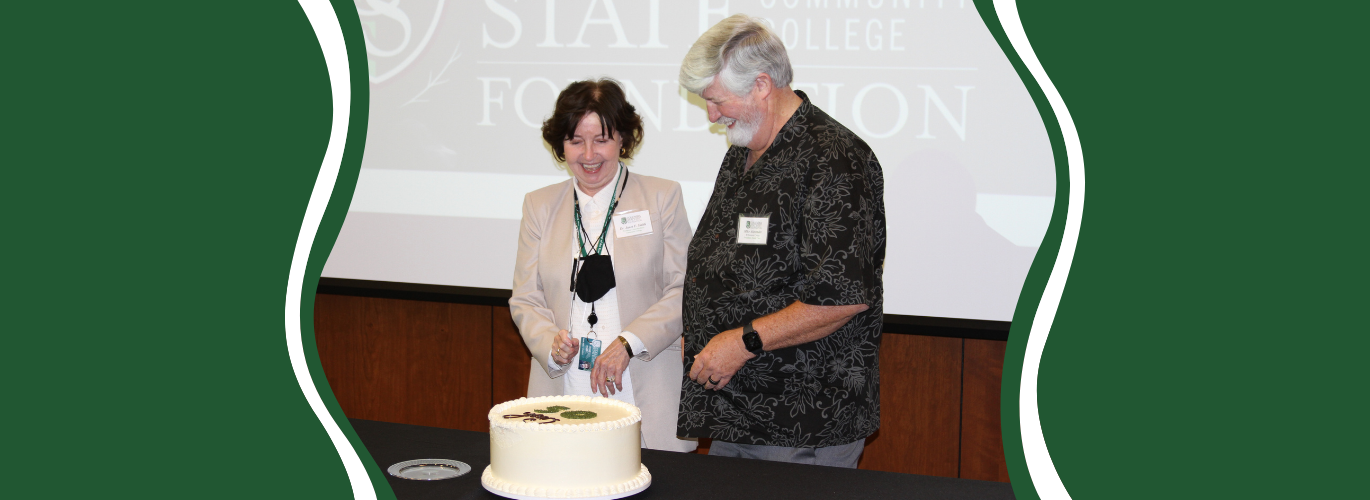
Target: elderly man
(783, 291)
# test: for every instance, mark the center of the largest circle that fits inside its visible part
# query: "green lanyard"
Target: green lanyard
(581, 235)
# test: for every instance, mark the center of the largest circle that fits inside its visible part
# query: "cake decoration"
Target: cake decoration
(553, 409)
(579, 414)
(529, 416)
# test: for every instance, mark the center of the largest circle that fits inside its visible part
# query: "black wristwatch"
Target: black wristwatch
(751, 339)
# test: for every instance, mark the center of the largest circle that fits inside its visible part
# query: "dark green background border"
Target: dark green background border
(159, 159)
(1206, 343)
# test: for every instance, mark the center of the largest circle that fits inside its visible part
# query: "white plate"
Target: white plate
(428, 469)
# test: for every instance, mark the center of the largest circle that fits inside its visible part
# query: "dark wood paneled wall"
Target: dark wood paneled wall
(442, 364)
(920, 407)
(511, 358)
(982, 444)
(422, 363)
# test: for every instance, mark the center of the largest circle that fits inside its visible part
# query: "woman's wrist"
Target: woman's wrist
(626, 347)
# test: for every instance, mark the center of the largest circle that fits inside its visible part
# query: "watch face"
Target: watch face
(752, 341)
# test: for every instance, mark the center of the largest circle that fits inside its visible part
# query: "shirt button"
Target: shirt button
(715, 236)
(692, 280)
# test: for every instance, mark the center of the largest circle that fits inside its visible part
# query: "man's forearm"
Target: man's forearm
(796, 324)
(801, 323)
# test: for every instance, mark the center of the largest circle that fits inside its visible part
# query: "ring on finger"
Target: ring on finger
(712, 381)
(611, 378)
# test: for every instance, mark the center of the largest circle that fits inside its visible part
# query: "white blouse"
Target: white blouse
(608, 328)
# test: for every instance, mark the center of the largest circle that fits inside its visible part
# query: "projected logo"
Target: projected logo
(885, 69)
(454, 129)
(396, 35)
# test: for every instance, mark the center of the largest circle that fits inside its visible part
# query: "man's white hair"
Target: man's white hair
(737, 50)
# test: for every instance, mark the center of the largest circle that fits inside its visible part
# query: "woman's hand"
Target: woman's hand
(565, 348)
(610, 368)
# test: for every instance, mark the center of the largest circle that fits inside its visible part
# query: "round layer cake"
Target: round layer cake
(531, 439)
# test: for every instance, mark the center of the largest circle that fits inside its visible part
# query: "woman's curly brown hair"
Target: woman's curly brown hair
(602, 97)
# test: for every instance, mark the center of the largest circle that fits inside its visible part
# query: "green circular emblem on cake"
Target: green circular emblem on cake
(552, 409)
(578, 415)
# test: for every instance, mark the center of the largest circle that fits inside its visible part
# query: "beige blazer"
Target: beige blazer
(649, 272)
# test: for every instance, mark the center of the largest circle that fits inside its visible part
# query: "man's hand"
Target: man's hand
(720, 360)
(796, 324)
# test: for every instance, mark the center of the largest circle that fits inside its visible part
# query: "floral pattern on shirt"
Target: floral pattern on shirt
(823, 190)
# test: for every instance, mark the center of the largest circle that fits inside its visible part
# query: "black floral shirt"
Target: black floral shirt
(822, 191)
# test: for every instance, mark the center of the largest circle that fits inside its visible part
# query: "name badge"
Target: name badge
(751, 229)
(632, 224)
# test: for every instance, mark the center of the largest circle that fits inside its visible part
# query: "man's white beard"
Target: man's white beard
(744, 131)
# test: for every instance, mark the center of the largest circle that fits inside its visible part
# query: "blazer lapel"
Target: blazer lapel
(557, 252)
(629, 260)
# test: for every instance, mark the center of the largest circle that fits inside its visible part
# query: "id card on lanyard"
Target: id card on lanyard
(589, 350)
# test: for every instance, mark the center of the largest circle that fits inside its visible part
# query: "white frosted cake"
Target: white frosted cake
(565, 447)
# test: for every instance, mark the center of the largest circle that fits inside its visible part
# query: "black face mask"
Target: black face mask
(593, 275)
(595, 278)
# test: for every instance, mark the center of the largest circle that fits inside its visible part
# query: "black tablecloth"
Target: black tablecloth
(674, 475)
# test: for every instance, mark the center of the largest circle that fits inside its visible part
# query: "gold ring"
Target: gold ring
(611, 378)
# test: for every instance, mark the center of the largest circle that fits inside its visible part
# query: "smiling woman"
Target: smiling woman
(593, 124)
(589, 148)
(586, 337)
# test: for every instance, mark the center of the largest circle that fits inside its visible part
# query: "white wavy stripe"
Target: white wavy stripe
(1044, 476)
(329, 32)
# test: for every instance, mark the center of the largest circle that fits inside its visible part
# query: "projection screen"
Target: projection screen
(459, 91)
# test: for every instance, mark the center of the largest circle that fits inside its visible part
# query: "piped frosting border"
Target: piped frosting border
(497, 419)
(490, 481)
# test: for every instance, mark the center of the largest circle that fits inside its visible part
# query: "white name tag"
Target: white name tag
(752, 230)
(632, 224)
